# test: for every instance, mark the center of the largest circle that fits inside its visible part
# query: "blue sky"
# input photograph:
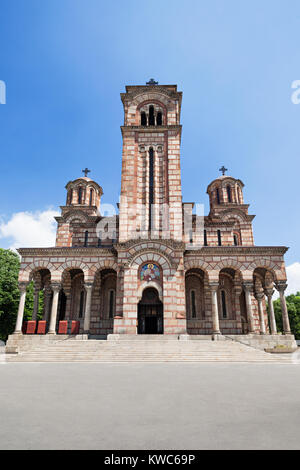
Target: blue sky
(65, 63)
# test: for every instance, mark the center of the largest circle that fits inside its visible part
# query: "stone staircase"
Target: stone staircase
(152, 349)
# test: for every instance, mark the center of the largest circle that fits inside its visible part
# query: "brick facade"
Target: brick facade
(209, 276)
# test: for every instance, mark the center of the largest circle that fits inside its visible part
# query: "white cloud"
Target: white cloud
(293, 277)
(30, 229)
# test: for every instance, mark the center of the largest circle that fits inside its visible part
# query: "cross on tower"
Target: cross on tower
(86, 171)
(152, 82)
(223, 169)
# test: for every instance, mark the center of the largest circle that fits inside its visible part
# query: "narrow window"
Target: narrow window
(193, 303)
(235, 239)
(79, 195)
(151, 116)
(191, 236)
(81, 304)
(159, 119)
(100, 239)
(70, 196)
(91, 196)
(151, 185)
(219, 238)
(218, 195)
(205, 238)
(223, 298)
(143, 119)
(86, 238)
(229, 194)
(111, 303)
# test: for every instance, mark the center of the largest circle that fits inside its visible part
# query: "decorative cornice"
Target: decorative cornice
(238, 250)
(151, 128)
(66, 251)
(168, 243)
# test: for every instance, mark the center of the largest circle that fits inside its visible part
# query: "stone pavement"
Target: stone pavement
(151, 406)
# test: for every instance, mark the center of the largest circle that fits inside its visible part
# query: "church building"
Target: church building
(158, 266)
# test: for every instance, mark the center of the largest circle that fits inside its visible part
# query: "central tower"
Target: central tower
(151, 199)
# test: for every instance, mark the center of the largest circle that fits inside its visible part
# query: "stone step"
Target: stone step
(156, 350)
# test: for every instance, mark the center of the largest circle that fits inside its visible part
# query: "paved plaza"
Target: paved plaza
(149, 406)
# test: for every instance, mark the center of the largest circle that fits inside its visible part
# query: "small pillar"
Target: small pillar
(87, 316)
(56, 289)
(22, 288)
(214, 308)
(281, 286)
(248, 287)
(273, 327)
(259, 297)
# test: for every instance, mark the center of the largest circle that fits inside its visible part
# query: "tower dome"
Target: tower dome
(83, 192)
(225, 190)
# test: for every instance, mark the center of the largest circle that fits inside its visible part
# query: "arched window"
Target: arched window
(81, 304)
(70, 196)
(151, 185)
(229, 193)
(111, 303)
(240, 195)
(218, 195)
(86, 238)
(159, 118)
(79, 195)
(219, 238)
(143, 119)
(236, 239)
(193, 303)
(205, 238)
(151, 116)
(223, 300)
(91, 196)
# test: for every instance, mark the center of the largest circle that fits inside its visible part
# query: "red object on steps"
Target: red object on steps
(30, 327)
(75, 325)
(41, 329)
(63, 327)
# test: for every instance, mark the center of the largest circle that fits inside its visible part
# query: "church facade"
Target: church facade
(156, 267)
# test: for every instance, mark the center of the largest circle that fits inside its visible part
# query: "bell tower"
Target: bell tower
(151, 200)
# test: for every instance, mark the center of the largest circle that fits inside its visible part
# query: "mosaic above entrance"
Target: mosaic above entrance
(150, 272)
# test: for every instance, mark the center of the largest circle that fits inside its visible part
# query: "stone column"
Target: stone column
(56, 289)
(36, 296)
(248, 286)
(18, 327)
(269, 293)
(47, 302)
(259, 297)
(68, 299)
(87, 316)
(237, 294)
(214, 308)
(281, 286)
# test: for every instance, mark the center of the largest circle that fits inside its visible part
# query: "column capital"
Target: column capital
(281, 286)
(214, 285)
(248, 286)
(259, 295)
(88, 285)
(269, 291)
(55, 286)
(22, 286)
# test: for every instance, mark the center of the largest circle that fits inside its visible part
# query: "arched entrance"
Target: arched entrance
(150, 313)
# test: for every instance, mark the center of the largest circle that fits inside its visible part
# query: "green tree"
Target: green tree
(9, 294)
(293, 306)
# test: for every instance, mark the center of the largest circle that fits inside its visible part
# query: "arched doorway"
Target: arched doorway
(150, 313)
